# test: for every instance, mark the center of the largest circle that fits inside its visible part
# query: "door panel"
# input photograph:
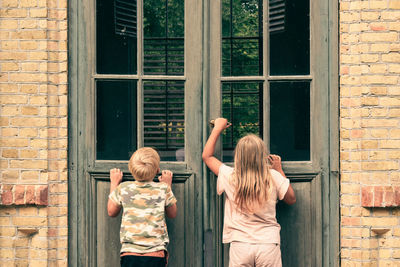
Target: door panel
(106, 229)
(299, 228)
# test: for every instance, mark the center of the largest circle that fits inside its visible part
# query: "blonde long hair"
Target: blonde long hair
(252, 177)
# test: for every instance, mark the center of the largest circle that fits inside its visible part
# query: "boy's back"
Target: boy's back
(143, 226)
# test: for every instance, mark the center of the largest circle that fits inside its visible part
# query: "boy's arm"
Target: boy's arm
(171, 211)
(166, 177)
(113, 208)
(208, 152)
(275, 161)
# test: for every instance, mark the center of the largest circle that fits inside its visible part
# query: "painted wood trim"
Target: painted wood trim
(334, 199)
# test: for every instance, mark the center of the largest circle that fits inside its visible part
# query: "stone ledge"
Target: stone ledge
(24, 194)
(380, 196)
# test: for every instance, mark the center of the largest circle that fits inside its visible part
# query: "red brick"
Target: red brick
(378, 196)
(30, 194)
(19, 195)
(367, 196)
(396, 196)
(7, 198)
(42, 195)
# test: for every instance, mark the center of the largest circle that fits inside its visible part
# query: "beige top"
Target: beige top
(260, 227)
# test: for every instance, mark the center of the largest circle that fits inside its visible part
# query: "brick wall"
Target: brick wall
(33, 132)
(370, 132)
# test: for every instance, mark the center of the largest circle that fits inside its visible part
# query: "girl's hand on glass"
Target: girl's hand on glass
(275, 162)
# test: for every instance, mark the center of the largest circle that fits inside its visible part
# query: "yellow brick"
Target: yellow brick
(29, 66)
(395, 133)
(389, 144)
(383, 165)
(28, 24)
(378, 37)
(14, 142)
(38, 13)
(28, 3)
(9, 45)
(7, 231)
(350, 188)
(28, 77)
(6, 254)
(394, 68)
(380, 47)
(30, 175)
(9, 153)
(379, 79)
(39, 143)
(29, 110)
(377, 4)
(9, 3)
(29, 88)
(37, 55)
(4, 121)
(29, 164)
(370, 101)
(389, 101)
(9, 66)
(29, 221)
(394, 154)
(378, 90)
(370, 15)
(379, 112)
(369, 144)
(22, 253)
(377, 68)
(394, 112)
(38, 100)
(391, 57)
(28, 45)
(379, 123)
(9, 24)
(28, 122)
(350, 166)
(368, 58)
(23, 241)
(28, 153)
(349, 16)
(378, 155)
(38, 253)
(13, 99)
(390, 15)
(394, 4)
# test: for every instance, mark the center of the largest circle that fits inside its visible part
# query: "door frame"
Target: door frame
(211, 206)
(85, 170)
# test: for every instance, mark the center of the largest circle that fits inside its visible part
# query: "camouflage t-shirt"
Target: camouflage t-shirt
(143, 227)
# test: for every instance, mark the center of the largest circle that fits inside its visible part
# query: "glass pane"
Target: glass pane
(241, 105)
(241, 37)
(290, 120)
(116, 119)
(289, 32)
(163, 37)
(116, 37)
(164, 118)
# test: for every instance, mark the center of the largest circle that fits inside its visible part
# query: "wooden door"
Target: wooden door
(153, 73)
(270, 72)
(136, 81)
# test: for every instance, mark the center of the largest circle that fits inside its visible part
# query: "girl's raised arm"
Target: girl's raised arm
(209, 159)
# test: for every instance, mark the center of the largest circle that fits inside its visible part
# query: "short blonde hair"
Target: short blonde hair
(144, 164)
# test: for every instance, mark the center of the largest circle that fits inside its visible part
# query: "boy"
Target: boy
(143, 234)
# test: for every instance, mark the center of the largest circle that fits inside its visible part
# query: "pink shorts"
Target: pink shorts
(254, 255)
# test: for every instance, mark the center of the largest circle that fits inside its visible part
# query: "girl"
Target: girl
(252, 188)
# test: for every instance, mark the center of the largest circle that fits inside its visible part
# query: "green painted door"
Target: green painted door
(153, 73)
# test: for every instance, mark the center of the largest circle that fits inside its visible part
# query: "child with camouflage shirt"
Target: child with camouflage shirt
(143, 234)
